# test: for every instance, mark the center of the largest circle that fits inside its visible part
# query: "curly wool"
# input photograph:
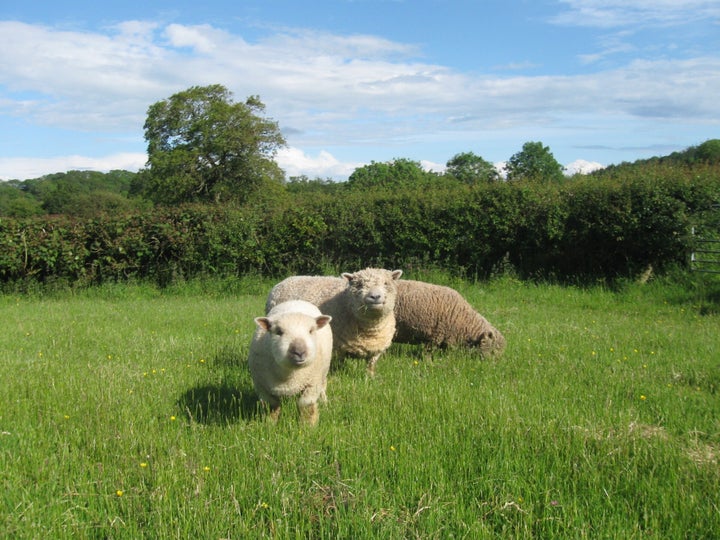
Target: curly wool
(358, 331)
(439, 316)
(290, 356)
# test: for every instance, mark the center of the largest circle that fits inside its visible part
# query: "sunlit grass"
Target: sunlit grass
(128, 412)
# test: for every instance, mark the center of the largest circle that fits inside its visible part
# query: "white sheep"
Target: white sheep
(290, 355)
(361, 304)
(439, 316)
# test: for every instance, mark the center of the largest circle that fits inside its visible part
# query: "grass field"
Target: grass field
(128, 412)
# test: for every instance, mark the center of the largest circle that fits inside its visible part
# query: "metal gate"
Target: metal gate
(705, 256)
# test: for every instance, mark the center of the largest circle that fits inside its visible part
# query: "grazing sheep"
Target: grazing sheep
(290, 355)
(439, 316)
(361, 305)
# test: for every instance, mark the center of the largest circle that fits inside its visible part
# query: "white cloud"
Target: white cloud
(429, 166)
(295, 162)
(616, 13)
(200, 38)
(322, 87)
(581, 166)
(501, 168)
(25, 168)
(328, 90)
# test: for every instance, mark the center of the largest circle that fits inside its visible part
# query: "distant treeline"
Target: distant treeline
(76, 193)
(612, 223)
(90, 193)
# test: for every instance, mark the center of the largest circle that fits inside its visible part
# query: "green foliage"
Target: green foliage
(303, 185)
(16, 202)
(202, 147)
(77, 193)
(471, 169)
(397, 174)
(621, 222)
(129, 412)
(534, 162)
(709, 151)
(580, 230)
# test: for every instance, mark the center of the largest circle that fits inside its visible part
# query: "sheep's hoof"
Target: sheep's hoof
(274, 414)
(309, 414)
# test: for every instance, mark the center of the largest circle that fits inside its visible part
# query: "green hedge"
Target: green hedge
(584, 228)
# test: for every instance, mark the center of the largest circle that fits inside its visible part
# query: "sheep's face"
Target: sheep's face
(483, 341)
(293, 337)
(373, 291)
(487, 343)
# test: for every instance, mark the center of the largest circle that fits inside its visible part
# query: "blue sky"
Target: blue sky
(355, 81)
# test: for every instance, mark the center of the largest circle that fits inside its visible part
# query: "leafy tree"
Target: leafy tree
(204, 147)
(15, 202)
(534, 162)
(471, 169)
(396, 173)
(709, 151)
(73, 192)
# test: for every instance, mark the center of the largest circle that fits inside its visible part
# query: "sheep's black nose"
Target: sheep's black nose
(298, 352)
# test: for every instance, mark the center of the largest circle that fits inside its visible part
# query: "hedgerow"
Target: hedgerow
(587, 227)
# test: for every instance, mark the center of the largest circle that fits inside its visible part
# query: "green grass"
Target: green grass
(128, 412)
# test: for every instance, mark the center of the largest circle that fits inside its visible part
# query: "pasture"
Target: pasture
(128, 412)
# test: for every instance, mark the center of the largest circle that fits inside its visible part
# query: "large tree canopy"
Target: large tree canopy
(534, 162)
(204, 147)
(471, 169)
(400, 172)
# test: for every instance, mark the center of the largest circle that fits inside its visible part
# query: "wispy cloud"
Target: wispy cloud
(318, 85)
(330, 90)
(619, 13)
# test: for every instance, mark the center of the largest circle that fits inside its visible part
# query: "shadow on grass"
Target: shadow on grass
(220, 404)
(230, 401)
(702, 291)
(709, 301)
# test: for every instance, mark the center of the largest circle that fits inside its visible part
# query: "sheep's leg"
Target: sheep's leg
(309, 413)
(307, 406)
(274, 407)
(274, 414)
(371, 364)
(323, 394)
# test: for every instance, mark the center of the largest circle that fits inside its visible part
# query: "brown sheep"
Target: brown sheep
(439, 316)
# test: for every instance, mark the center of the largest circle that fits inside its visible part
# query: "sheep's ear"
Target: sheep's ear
(396, 274)
(347, 275)
(322, 320)
(263, 322)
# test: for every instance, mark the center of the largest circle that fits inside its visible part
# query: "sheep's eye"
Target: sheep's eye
(278, 331)
(312, 330)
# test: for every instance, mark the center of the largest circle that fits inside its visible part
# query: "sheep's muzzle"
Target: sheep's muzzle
(298, 352)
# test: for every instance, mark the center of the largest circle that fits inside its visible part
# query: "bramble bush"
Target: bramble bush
(585, 228)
